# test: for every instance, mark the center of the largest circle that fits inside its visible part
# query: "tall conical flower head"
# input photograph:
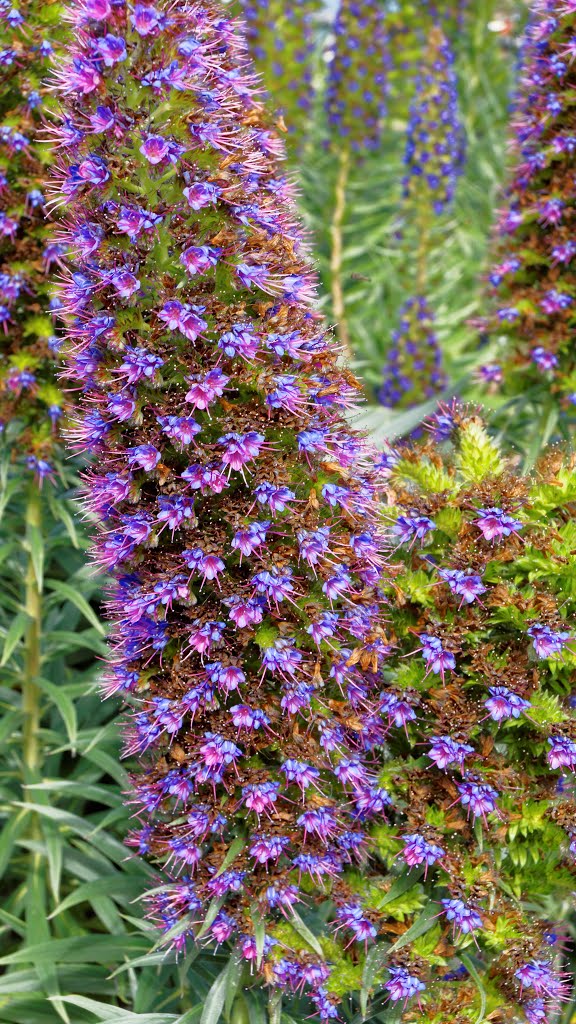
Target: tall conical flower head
(281, 41)
(413, 370)
(30, 401)
(237, 509)
(534, 278)
(435, 141)
(482, 739)
(358, 75)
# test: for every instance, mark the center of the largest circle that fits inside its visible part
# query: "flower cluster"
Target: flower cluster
(482, 739)
(237, 509)
(435, 141)
(31, 404)
(533, 280)
(281, 43)
(413, 370)
(358, 76)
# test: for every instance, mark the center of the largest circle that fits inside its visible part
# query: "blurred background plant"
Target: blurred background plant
(530, 371)
(378, 246)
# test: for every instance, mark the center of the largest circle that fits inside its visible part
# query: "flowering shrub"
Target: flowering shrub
(237, 510)
(358, 76)
(481, 724)
(31, 404)
(533, 278)
(281, 43)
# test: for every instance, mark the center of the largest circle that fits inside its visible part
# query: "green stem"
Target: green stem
(274, 1008)
(423, 228)
(337, 253)
(30, 689)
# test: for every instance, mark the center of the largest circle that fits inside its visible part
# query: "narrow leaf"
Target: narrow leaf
(76, 598)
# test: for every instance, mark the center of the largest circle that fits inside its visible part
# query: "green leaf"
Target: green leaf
(305, 933)
(9, 836)
(259, 934)
(233, 981)
(76, 598)
(236, 847)
(38, 932)
(400, 886)
(228, 980)
(376, 957)
(387, 424)
(108, 1014)
(211, 915)
(421, 925)
(468, 964)
(14, 634)
(65, 705)
(95, 949)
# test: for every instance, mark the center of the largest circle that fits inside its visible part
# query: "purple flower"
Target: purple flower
(237, 511)
(199, 258)
(435, 141)
(351, 916)
(143, 456)
(437, 659)
(184, 318)
(402, 985)
(145, 19)
(446, 751)
(544, 360)
(479, 798)
(562, 753)
(414, 527)
(155, 148)
(93, 170)
(494, 524)
(112, 49)
(546, 641)
(417, 850)
(503, 704)
(465, 918)
(541, 976)
(555, 301)
(466, 585)
(201, 194)
(204, 389)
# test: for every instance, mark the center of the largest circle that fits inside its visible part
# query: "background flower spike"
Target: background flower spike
(31, 402)
(533, 278)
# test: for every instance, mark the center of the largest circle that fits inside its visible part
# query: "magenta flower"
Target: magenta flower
(503, 704)
(417, 850)
(562, 753)
(155, 148)
(494, 524)
(145, 19)
(546, 641)
(445, 751)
